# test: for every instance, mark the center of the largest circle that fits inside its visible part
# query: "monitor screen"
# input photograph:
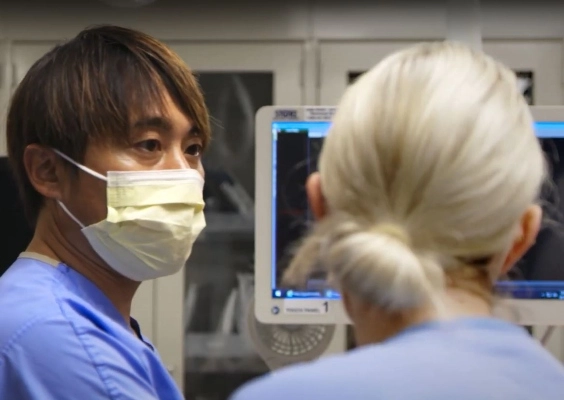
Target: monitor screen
(295, 150)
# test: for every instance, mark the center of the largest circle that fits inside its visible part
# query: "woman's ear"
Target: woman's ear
(529, 227)
(315, 196)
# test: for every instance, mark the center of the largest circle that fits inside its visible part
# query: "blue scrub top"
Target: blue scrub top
(62, 339)
(464, 359)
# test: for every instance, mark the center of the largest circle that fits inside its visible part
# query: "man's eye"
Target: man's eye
(149, 145)
(194, 150)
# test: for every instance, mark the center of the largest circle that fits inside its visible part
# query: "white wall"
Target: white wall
(307, 21)
(287, 20)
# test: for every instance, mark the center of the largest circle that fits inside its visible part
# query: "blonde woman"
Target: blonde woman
(425, 195)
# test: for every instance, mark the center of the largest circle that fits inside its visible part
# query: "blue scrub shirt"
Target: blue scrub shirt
(62, 339)
(462, 359)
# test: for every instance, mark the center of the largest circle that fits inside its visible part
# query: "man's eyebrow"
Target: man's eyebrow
(194, 132)
(155, 122)
(162, 124)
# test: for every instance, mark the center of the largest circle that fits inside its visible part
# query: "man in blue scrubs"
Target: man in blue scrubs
(105, 137)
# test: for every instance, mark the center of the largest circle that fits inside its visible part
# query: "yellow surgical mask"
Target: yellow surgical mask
(154, 218)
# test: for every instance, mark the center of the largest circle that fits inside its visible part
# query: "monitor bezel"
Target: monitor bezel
(283, 311)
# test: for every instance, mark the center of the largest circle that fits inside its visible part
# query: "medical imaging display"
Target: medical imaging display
(295, 153)
(541, 271)
(296, 148)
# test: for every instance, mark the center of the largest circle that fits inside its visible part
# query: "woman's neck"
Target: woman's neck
(456, 303)
(461, 303)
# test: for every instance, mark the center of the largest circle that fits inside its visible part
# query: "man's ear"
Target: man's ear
(315, 196)
(525, 238)
(44, 170)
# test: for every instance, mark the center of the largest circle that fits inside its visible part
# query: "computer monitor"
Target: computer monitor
(288, 141)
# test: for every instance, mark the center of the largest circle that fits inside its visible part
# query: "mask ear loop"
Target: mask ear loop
(66, 210)
(85, 169)
(80, 166)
